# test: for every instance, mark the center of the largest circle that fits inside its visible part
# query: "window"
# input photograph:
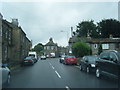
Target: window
(113, 56)
(95, 46)
(52, 47)
(6, 34)
(105, 46)
(48, 47)
(6, 52)
(104, 55)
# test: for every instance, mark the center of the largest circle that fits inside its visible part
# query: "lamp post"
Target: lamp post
(67, 36)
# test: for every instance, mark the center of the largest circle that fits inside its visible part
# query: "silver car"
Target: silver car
(6, 75)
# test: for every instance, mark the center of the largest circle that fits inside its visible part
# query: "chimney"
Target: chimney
(1, 17)
(15, 22)
(71, 31)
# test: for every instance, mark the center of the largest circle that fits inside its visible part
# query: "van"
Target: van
(32, 53)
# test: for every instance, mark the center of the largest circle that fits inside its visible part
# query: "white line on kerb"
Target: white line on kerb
(67, 87)
(58, 74)
(53, 67)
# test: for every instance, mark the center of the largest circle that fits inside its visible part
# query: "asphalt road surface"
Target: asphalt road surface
(50, 73)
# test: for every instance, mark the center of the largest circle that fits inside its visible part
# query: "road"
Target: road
(50, 73)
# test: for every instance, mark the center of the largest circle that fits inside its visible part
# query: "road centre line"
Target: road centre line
(67, 87)
(50, 63)
(53, 67)
(57, 74)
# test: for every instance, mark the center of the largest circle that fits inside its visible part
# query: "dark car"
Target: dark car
(28, 61)
(6, 75)
(61, 60)
(88, 63)
(108, 64)
(34, 59)
(70, 60)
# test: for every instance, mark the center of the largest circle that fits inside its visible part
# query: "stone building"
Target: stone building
(107, 43)
(50, 47)
(1, 17)
(15, 44)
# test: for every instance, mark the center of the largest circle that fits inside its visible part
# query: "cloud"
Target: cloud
(42, 20)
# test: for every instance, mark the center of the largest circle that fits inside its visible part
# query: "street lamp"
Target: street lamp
(66, 34)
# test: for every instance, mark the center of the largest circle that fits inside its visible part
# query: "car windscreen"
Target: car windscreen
(28, 58)
(32, 55)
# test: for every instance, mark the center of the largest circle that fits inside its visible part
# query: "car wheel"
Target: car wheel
(65, 63)
(80, 67)
(60, 61)
(98, 73)
(88, 69)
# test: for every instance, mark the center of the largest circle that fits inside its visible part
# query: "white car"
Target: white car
(43, 57)
(6, 75)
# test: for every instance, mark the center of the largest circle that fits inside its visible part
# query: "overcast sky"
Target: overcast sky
(42, 20)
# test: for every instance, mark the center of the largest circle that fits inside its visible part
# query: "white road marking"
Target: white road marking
(58, 74)
(53, 67)
(67, 87)
(50, 64)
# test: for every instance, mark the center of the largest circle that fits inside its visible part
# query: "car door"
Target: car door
(103, 62)
(113, 65)
(84, 62)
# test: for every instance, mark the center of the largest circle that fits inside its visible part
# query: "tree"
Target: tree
(81, 49)
(100, 49)
(107, 27)
(86, 27)
(39, 48)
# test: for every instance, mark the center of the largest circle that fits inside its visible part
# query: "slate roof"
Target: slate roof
(93, 40)
(51, 43)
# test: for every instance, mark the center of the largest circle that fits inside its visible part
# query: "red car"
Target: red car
(70, 60)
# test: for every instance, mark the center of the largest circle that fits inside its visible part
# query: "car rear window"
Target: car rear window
(70, 56)
(28, 58)
(32, 55)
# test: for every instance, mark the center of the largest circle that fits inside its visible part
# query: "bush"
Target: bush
(81, 49)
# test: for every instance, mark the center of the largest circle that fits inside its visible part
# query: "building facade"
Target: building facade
(15, 44)
(107, 43)
(51, 47)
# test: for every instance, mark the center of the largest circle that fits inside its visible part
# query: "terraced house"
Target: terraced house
(15, 44)
(106, 43)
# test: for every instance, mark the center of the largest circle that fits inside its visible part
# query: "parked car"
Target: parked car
(61, 60)
(6, 74)
(35, 60)
(108, 64)
(28, 61)
(88, 63)
(70, 60)
(43, 57)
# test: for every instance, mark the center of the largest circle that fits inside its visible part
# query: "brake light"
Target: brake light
(29, 60)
